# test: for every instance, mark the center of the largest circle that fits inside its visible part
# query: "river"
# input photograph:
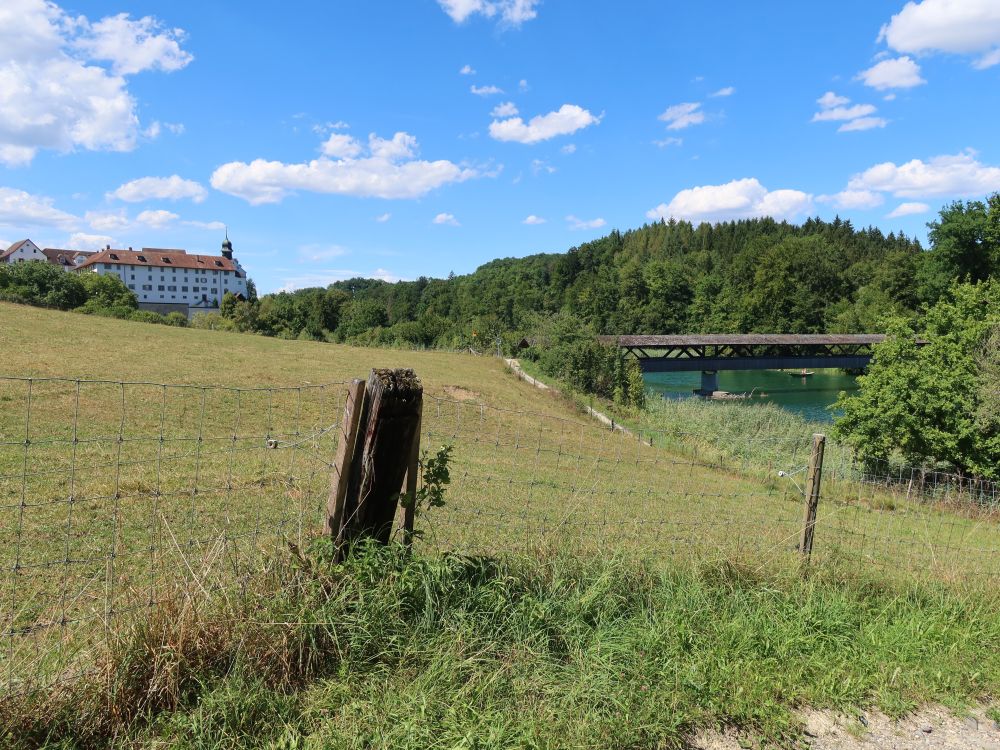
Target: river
(809, 397)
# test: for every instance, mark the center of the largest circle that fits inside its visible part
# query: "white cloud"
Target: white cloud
(739, 199)
(844, 113)
(522, 85)
(899, 73)
(341, 145)
(533, 220)
(177, 128)
(960, 175)
(389, 171)
(156, 219)
(383, 218)
(669, 141)
(135, 46)
(214, 226)
(485, 90)
(538, 166)
(511, 12)
(727, 91)
(575, 223)
(84, 241)
(568, 119)
(569, 148)
(863, 123)
(507, 109)
(853, 199)
(830, 100)
(53, 96)
(171, 188)
(106, 221)
(447, 219)
(467, 70)
(908, 209)
(684, 115)
(965, 27)
(20, 209)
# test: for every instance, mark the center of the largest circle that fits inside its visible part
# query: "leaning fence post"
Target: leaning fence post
(345, 457)
(389, 422)
(813, 479)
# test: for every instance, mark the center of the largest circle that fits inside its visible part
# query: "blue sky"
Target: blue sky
(399, 139)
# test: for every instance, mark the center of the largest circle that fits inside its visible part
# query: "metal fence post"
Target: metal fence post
(813, 479)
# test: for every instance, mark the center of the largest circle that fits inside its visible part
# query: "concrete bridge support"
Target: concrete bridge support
(709, 382)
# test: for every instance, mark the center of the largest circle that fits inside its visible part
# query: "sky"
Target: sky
(405, 138)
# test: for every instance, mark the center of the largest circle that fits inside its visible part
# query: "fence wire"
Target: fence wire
(112, 493)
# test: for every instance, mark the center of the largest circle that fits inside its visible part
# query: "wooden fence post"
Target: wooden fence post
(345, 457)
(410, 484)
(813, 480)
(389, 427)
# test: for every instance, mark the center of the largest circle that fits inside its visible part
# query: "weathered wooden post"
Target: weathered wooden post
(389, 426)
(410, 483)
(813, 480)
(345, 456)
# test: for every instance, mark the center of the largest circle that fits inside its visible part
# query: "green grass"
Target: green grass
(85, 547)
(553, 651)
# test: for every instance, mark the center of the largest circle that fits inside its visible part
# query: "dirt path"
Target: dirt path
(928, 729)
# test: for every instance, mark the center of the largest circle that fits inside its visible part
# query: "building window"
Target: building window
(107, 266)
(184, 288)
(159, 288)
(132, 287)
(215, 290)
(194, 289)
(171, 289)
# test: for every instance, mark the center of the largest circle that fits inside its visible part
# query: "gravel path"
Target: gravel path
(929, 729)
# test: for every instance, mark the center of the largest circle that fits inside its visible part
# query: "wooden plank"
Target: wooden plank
(349, 424)
(813, 479)
(410, 485)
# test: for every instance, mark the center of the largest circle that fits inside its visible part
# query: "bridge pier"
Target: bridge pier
(709, 382)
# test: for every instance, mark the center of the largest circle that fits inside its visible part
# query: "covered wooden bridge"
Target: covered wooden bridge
(711, 352)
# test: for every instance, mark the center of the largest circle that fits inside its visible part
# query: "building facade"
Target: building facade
(22, 251)
(167, 281)
(28, 250)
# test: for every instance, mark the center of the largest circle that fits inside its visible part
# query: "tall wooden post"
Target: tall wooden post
(410, 485)
(389, 427)
(813, 479)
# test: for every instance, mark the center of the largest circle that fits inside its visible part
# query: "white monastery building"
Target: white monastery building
(28, 250)
(167, 281)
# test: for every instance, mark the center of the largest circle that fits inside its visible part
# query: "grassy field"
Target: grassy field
(111, 495)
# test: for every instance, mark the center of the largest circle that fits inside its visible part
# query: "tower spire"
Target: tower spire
(227, 247)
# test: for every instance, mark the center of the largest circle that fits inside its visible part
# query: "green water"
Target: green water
(808, 397)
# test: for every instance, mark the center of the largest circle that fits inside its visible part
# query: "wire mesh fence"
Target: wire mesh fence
(111, 493)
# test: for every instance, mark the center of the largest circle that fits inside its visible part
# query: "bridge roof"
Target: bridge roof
(744, 339)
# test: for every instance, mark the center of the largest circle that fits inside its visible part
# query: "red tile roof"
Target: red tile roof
(12, 249)
(62, 257)
(151, 256)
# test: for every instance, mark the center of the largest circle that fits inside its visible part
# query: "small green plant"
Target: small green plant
(436, 476)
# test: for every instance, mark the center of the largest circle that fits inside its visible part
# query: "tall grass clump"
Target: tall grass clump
(390, 650)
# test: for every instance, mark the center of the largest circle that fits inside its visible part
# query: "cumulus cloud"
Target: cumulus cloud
(156, 219)
(575, 223)
(135, 46)
(533, 220)
(899, 73)
(485, 90)
(569, 148)
(727, 91)
(340, 146)
(948, 175)
(171, 188)
(383, 218)
(680, 116)
(835, 108)
(510, 12)
(568, 119)
(389, 170)
(448, 219)
(85, 241)
(507, 109)
(538, 166)
(214, 226)
(21, 209)
(853, 199)
(55, 95)
(739, 199)
(467, 70)
(863, 123)
(908, 209)
(106, 221)
(964, 27)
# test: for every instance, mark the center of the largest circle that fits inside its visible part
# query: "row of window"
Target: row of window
(172, 288)
(112, 266)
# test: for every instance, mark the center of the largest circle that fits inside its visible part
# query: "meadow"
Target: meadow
(137, 461)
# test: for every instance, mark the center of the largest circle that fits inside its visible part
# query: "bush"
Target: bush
(176, 319)
(147, 316)
(41, 284)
